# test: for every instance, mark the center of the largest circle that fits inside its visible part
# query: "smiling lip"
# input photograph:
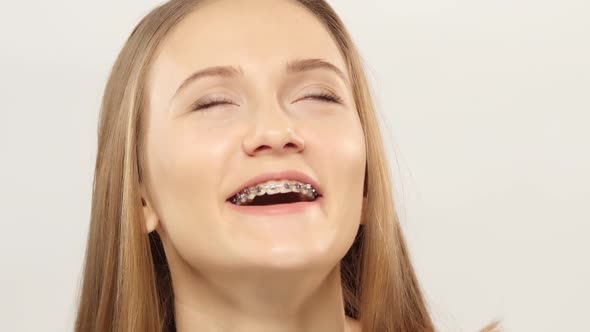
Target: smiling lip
(285, 175)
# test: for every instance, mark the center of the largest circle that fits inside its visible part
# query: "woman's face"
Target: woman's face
(274, 72)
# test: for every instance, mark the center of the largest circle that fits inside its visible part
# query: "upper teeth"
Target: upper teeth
(274, 187)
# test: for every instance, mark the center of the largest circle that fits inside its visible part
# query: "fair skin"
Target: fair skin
(234, 271)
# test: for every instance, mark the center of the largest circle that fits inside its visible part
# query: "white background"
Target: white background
(485, 108)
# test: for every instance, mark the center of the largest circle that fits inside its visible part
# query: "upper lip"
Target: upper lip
(283, 175)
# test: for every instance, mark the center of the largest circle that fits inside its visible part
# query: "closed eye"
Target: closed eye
(216, 101)
(209, 103)
(324, 96)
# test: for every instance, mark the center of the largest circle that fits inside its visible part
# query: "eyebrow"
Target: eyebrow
(293, 67)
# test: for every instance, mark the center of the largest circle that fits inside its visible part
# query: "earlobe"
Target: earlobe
(149, 214)
(365, 184)
(364, 211)
(151, 221)
(365, 194)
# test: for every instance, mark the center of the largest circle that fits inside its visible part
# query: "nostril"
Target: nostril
(272, 139)
(262, 148)
(291, 145)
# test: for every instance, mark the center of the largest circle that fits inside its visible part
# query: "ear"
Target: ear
(364, 211)
(150, 217)
(365, 193)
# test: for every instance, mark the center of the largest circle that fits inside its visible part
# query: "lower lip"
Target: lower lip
(275, 209)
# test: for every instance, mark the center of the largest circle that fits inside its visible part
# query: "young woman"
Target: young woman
(241, 183)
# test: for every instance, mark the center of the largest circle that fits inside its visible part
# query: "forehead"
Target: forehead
(258, 35)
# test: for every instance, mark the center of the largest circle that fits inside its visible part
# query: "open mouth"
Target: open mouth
(273, 193)
(279, 199)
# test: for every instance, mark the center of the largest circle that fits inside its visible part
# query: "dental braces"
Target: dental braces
(248, 194)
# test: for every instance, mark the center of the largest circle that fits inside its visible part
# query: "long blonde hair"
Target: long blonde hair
(126, 281)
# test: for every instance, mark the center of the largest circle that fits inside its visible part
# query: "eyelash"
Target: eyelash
(210, 102)
(325, 96)
(214, 101)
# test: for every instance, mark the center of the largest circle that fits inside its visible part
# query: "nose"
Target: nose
(272, 132)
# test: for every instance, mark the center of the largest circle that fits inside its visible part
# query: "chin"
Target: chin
(294, 256)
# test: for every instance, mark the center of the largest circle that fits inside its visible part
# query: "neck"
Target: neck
(276, 301)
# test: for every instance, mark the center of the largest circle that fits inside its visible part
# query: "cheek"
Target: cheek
(338, 143)
(338, 153)
(188, 164)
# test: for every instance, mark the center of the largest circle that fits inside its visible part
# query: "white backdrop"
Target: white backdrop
(485, 107)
